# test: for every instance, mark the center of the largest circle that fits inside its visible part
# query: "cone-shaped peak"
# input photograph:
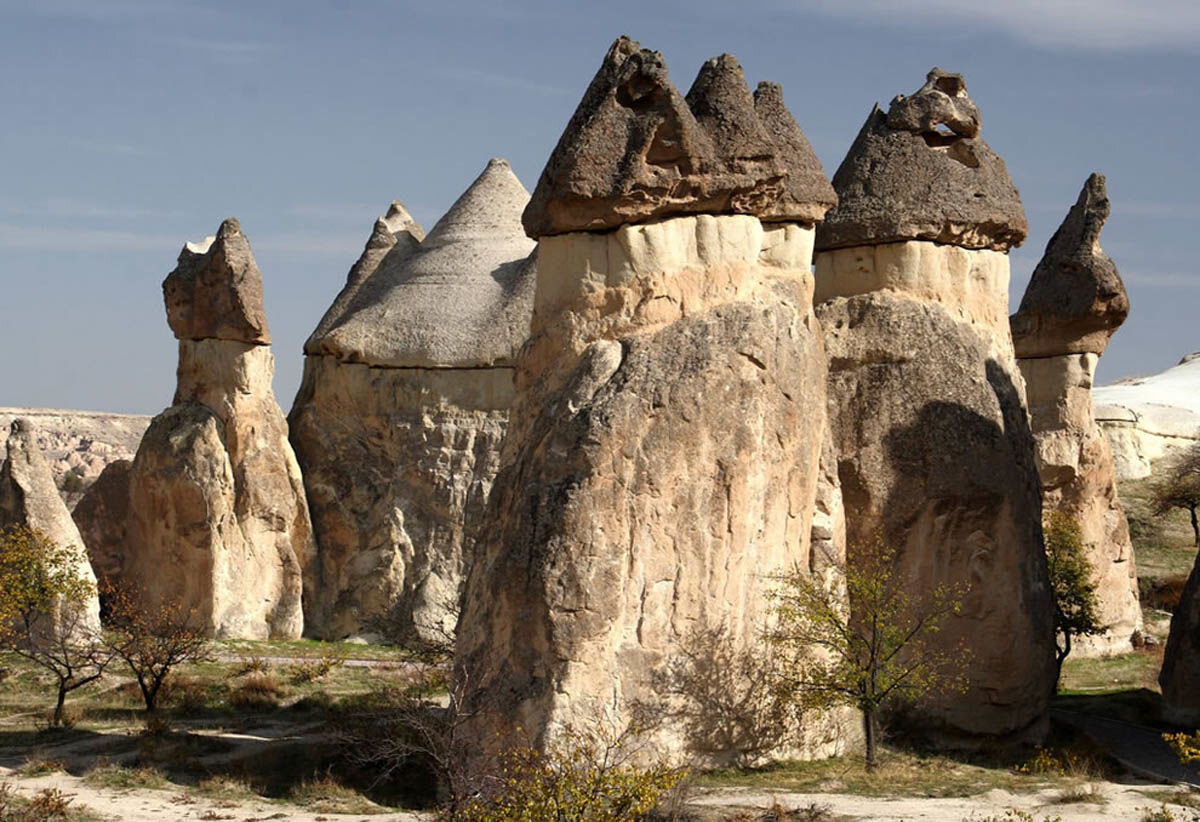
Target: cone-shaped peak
(921, 171)
(394, 236)
(1075, 300)
(635, 150)
(491, 206)
(462, 298)
(807, 192)
(215, 290)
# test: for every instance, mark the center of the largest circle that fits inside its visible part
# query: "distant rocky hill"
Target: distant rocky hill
(79, 444)
(1148, 418)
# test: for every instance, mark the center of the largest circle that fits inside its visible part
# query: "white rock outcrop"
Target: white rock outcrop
(407, 387)
(1148, 419)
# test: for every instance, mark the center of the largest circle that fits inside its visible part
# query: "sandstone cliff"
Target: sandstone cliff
(930, 426)
(664, 454)
(406, 392)
(217, 512)
(28, 497)
(1074, 303)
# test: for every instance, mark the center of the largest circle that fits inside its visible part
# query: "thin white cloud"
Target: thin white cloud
(1161, 279)
(69, 238)
(1107, 25)
(229, 52)
(508, 82)
(71, 209)
(338, 211)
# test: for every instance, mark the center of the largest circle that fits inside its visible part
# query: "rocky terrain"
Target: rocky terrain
(81, 443)
(1149, 418)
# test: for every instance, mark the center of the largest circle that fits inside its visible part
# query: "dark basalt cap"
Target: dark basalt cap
(1075, 300)
(807, 194)
(215, 291)
(921, 171)
(636, 150)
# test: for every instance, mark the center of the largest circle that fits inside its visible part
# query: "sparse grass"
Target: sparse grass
(327, 795)
(228, 788)
(258, 691)
(1086, 793)
(1138, 669)
(900, 773)
(1163, 546)
(250, 664)
(35, 765)
(108, 775)
(312, 649)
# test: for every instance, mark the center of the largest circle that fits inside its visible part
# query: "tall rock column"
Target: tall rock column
(935, 452)
(29, 497)
(1074, 303)
(663, 459)
(218, 517)
(408, 381)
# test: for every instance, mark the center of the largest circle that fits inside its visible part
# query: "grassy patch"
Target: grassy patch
(1138, 669)
(311, 649)
(900, 773)
(1086, 793)
(108, 775)
(1163, 545)
(35, 765)
(327, 795)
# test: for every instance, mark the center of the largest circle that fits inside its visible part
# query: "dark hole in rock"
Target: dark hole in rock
(949, 85)
(939, 139)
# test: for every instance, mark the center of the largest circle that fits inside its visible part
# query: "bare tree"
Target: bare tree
(1180, 489)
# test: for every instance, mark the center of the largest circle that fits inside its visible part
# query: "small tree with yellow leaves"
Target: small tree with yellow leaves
(44, 612)
(867, 645)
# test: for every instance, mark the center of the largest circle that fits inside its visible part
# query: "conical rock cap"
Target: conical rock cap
(1075, 300)
(920, 171)
(462, 299)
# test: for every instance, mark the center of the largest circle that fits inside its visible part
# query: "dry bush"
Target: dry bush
(257, 691)
(1078, 757)
(1163, 593)
(251, 664)
(311, 670)
(188, 693)
(37, 765)
(49, 803)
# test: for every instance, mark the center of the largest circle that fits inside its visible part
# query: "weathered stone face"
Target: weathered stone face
(1073, 304)
(216, 290)
(29, 497)
(807, 192)
(935, 454)
(218, 517)
(398, 420)
(921, 172)
(663, 461)
(1075, 300)
(102, 517)
(1181, 660)
(636, 150)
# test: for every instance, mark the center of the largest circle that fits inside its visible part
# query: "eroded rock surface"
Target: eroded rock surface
(637, 150)
(218, 516)
(927, 404)
(920, 171)
(404, 400)
(1150, 419)
(28, 497)
(78, 445)
(664, 455)
(1181, 660)
(1074, 303)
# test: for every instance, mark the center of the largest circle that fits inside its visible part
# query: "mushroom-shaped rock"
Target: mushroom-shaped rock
(29, 498)
(394, 236)
(1075, 300)
(461, 299)
(920, 171)
(636, 150)
(398, 420)
(214, 489)
(808, 193)
(215, 292)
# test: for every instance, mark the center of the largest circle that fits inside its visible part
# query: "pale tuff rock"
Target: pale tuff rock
(399, 417)
(29, 497)
(78, 443)
(920, 171)
(1074, 303)
(636, 150)
(395, 235)
(1149, 419)
(926, 400)
(664, 456)
(218, 518)
(1075, 300)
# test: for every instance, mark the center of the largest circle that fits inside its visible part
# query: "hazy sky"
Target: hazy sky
(130, 126)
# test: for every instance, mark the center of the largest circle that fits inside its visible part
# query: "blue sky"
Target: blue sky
(131, 126)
